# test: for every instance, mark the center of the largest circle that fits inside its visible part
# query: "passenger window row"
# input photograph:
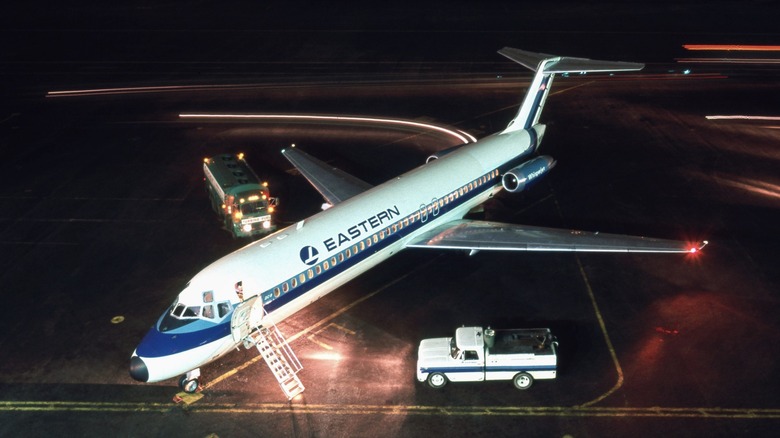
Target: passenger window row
(422, 215)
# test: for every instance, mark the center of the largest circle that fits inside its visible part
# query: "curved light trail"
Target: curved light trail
(463, 137)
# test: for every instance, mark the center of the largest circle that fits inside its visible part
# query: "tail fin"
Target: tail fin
(546, 66)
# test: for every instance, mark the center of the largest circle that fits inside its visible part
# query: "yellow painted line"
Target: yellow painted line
(306, 331)
(607, 340)
(337, 313)
(602, 326)
(312, 337)
(341, 409)
(342, 328)
(321, 344)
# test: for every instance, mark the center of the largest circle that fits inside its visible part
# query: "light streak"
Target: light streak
(332, 356)
(678, 76)
(765, 190)
(756, 187)
(133, 90)
(742, 117)
(460, 135)
(732, 47)
(729, 60)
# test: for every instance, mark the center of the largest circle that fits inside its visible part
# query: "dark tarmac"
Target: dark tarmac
(103, 217)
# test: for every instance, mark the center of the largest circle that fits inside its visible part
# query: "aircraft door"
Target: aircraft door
(246, 317)
(423, 213)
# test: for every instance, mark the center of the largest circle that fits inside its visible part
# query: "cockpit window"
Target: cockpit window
(183, 312)
(178, 310)
(191, 312)
(179, 314)
(223, 309)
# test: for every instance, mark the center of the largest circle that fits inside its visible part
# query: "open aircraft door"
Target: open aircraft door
(270, 343)
(246, 317)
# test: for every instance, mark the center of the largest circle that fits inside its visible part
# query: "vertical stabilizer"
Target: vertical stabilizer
(546, 66)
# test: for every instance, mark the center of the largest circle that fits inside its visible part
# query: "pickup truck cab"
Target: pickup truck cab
(477, 355)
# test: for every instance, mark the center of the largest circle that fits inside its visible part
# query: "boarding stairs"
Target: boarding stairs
(281, 359)
(270, 343)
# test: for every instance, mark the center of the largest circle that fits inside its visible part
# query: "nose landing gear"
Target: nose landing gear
(189, 382)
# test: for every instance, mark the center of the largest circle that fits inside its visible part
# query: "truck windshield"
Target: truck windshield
(250, 208)
(454, 350)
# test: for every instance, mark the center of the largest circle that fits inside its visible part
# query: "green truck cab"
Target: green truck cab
(238, 196)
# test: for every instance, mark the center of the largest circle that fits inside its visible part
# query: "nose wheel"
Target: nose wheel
(189, 382)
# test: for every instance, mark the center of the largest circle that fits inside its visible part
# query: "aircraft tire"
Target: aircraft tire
(191, 386)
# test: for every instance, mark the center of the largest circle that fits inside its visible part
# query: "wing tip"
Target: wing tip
(698, 246)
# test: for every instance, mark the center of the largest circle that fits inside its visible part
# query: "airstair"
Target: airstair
(270, 343)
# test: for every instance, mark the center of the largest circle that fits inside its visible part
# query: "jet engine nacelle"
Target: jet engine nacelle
(516, 179)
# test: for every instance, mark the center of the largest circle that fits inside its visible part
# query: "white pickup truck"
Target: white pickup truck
(476, 355)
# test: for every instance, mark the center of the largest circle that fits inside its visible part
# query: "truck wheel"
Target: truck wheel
(523, 381)
(437, 380)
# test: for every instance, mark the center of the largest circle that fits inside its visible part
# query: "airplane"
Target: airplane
(270, 279)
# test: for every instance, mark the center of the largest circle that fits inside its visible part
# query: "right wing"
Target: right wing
(334, 184)
(480, 235)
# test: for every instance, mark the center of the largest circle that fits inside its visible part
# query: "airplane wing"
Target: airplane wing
(481, 235)
(334, 184)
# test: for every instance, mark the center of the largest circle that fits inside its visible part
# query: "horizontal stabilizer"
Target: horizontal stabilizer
(546, 66)
(566, 64)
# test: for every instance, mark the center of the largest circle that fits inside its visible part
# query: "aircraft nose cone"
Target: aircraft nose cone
(138, 369)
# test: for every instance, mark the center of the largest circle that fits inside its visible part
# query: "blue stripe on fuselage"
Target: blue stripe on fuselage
(157, 344)
(355, 259)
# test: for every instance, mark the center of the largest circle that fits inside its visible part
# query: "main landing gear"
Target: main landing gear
(189, 382)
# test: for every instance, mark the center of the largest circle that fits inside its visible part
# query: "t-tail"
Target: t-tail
(546, 66)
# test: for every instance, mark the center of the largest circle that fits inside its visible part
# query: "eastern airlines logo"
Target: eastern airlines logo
(309, 254)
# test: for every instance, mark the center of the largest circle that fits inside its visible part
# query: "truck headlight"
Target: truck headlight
(247, 228)
(267, 224)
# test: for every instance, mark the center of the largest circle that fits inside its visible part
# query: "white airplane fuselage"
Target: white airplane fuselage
(297, 265)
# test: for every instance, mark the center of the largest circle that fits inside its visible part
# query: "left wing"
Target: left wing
(334, 184)
(481, 235)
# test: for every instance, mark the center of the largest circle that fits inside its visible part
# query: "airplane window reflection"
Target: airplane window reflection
(223, 308)
(191, 312)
